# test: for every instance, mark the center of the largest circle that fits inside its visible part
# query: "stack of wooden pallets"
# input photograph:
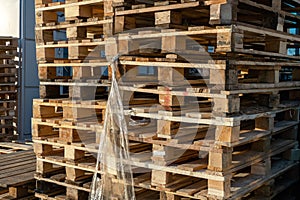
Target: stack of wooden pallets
(8, 87)
(211, 96)
(73, 91)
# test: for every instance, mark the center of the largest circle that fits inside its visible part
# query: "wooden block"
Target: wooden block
(69, 135)
(162, 195)
(123, 23)
(292, 114)
(118, 189)
(119, 24)
(220, 159)
(49, 91)
(270, 100)
(43, 167)
(47, 73)
(46, 17)
(81, 72)
(268, 76)
(219, 188)
(224, 42)
(168, 17)
(128, 46)
(221, 13)
(276, 45)
(76, 32)
(264, 123)
(44, 36)
(262, 145)
(111, 48)
(108, 7)
(44, 54)
(45, 111)
(75, 194)
(18, 191)
(73, 174)
(262, 168)
(280, 23)
(108, 29)
(172, 44)
(237, 40)
(170, 100)
(160, 178)
(42, 131)
(292, 154)
(227, 134)
(167, 127)
(228, 41)
(223, 78)
(74, 12)
(276, 4)
(171, 76)
(163, 155)
(83, 93)
(78, 52)
(42, 149)
(229, 105)
(73, 154)
(169, 196)
(296, 74)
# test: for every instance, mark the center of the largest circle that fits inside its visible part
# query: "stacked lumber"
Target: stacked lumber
(215, 120)
(8, 87)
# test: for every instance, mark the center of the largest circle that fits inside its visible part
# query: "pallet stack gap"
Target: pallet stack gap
(210, 90)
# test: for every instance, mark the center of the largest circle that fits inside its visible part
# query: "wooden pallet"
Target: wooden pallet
(67, 114)
(240, 38)
(17, 174)
(70, 119)
(78, 70)
(212, 74)
(276, 15)
(71, 10)
(77, 49)
(12, 147)
(77, 29)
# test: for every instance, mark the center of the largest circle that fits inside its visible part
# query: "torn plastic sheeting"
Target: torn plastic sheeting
(116, 180)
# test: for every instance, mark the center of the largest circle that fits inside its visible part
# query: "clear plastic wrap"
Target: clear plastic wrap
(115, 180)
